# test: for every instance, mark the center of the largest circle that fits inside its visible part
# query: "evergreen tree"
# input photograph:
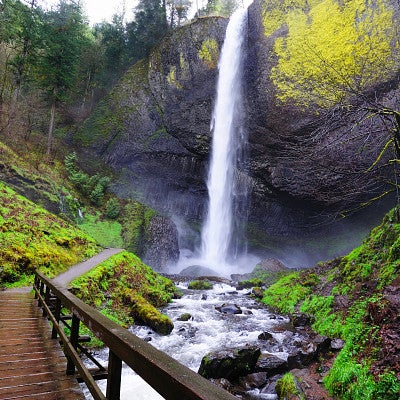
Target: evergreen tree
(148, 28)
(64, 37)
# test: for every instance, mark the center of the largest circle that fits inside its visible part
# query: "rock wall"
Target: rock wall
(153, 129)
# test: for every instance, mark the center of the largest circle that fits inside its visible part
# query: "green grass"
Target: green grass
(106, 232)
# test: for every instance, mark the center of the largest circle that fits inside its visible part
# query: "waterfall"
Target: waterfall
(227, 145)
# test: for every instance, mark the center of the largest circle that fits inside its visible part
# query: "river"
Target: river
(208, 329)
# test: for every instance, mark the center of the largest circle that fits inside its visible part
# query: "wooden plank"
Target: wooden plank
(68, 394)
(32, 365)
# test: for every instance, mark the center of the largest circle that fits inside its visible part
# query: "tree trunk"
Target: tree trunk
(51, 128)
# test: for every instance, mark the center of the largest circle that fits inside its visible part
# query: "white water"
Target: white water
(206, 331)
(226, 120)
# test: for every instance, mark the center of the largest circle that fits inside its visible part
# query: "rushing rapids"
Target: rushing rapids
(206, 330)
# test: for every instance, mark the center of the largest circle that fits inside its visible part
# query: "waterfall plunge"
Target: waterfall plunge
(228, 137)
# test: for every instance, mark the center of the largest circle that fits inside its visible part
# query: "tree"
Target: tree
(220, 7)
(64, 36)
(18, 43)
(339, 58)
(148, 28)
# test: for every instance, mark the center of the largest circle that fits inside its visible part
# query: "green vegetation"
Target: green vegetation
(125, 288)
(209, 53)
(361, 369)
(326, 56)
(200, 285)
(135, 221)
(106, 232)
(286, 388)
(254, 282)
(31, 238)
(278, 297)
(93, 187)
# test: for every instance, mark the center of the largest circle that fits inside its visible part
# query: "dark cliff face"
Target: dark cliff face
(153, 129)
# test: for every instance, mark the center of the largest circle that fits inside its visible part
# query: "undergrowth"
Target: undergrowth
(32, 238)
(347, 301)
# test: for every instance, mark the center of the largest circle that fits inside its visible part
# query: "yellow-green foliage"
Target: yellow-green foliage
(31, 238)
(111, 285)
(172, 79)
(274, 12)
(335, 50)
(209, 53)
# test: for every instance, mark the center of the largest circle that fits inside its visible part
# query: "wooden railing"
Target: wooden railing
(167, 376)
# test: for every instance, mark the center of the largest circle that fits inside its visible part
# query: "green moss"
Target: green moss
(113, 285)
(135, 222)
(31, 238)
(107, 122)
(279, 297)
(200, 285)
(286, 388)
(209, 53)
(106, 232)
(172, 79)
(144, 312)
(250, 283)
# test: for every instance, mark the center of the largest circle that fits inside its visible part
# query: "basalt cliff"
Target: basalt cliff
(305, 163)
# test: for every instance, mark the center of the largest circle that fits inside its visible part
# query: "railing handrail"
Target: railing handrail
(167, 376)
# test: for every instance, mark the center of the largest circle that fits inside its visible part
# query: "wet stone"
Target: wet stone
(229, 309)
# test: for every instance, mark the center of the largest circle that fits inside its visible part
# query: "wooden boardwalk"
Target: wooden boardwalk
(32, 365)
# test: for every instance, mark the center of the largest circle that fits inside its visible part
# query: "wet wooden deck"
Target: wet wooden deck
(32, 365)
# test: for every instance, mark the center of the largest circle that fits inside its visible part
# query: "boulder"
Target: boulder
(271, 364)
(185, 317)
(229, 309)
(265, 336)
(301, 320)
(161, 246)
(196, 271)
(230, 363)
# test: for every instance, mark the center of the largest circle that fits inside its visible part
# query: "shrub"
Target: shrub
(200, 285)
(113, 208)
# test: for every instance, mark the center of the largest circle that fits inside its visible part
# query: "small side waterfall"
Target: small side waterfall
(227, 148)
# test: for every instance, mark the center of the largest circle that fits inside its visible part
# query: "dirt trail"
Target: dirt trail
(66, 277)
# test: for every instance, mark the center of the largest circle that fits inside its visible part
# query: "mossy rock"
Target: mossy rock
(289, 388)
(200, 285)
(250, 283)
(185, 317)
(144, 312)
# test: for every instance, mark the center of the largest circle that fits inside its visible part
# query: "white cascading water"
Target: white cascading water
(218, 228)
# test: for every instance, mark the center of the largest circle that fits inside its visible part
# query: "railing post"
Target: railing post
(57, 314)
(46, 299)
(114, 377)
(73, 338)
(36, 285)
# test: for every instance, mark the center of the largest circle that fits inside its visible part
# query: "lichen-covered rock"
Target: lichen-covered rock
(230, 363)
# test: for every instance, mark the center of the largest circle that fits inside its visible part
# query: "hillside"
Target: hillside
(355, 298)
(32, 238)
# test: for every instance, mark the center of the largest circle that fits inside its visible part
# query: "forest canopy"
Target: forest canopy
(55, 67)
